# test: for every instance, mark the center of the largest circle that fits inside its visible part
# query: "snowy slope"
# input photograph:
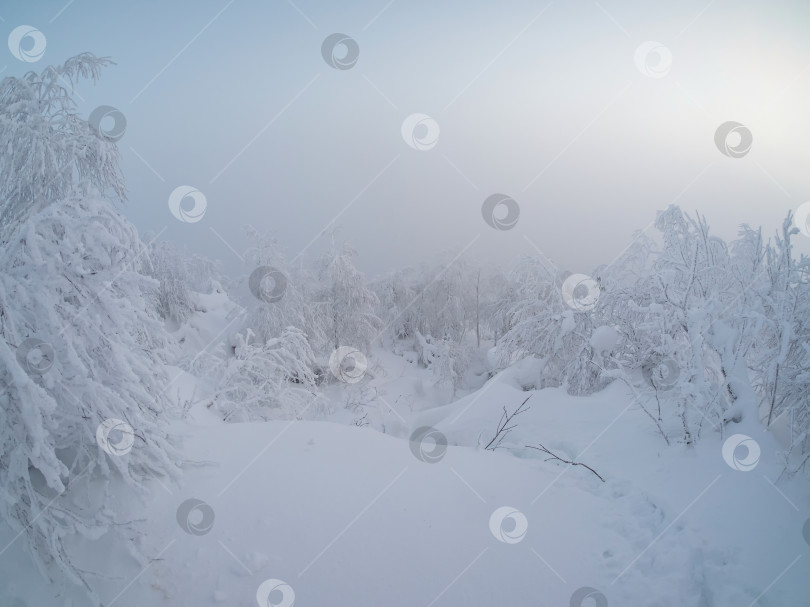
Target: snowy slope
(347, 515)
(350, 515)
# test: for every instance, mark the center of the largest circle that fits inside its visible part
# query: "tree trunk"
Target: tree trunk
(773, 395)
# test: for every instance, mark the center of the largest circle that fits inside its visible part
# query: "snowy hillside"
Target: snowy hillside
(347, 515)
(350, 515)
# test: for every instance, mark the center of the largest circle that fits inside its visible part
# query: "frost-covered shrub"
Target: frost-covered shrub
(272, 379)
(173, 298)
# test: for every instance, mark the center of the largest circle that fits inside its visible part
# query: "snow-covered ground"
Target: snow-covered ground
(347, 515)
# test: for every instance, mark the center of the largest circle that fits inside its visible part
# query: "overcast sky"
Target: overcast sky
(556, 105)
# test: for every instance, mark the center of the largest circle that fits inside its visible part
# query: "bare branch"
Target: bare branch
(505, 426)
(565, 461)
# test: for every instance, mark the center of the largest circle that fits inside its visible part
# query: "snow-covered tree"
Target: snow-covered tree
(541, 324)
(669, 306)
(446, 300)
(450, 362)
(278, 296)
(780, 352)
(174, 297)
(714, 329)
(397, 293)
(49, 152)
(68, 281)
(348, 306)
(80, 348)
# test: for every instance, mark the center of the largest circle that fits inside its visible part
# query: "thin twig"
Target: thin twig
(504, 426)
(565, 461)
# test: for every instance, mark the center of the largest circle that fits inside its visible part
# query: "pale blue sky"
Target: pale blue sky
(540, 101)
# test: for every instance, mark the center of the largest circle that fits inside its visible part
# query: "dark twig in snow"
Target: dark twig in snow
(505, 426)
(565, 461)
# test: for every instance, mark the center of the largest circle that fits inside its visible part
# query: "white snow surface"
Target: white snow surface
(349, 515)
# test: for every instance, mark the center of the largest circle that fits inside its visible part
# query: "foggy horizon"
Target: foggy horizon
(545, 103)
